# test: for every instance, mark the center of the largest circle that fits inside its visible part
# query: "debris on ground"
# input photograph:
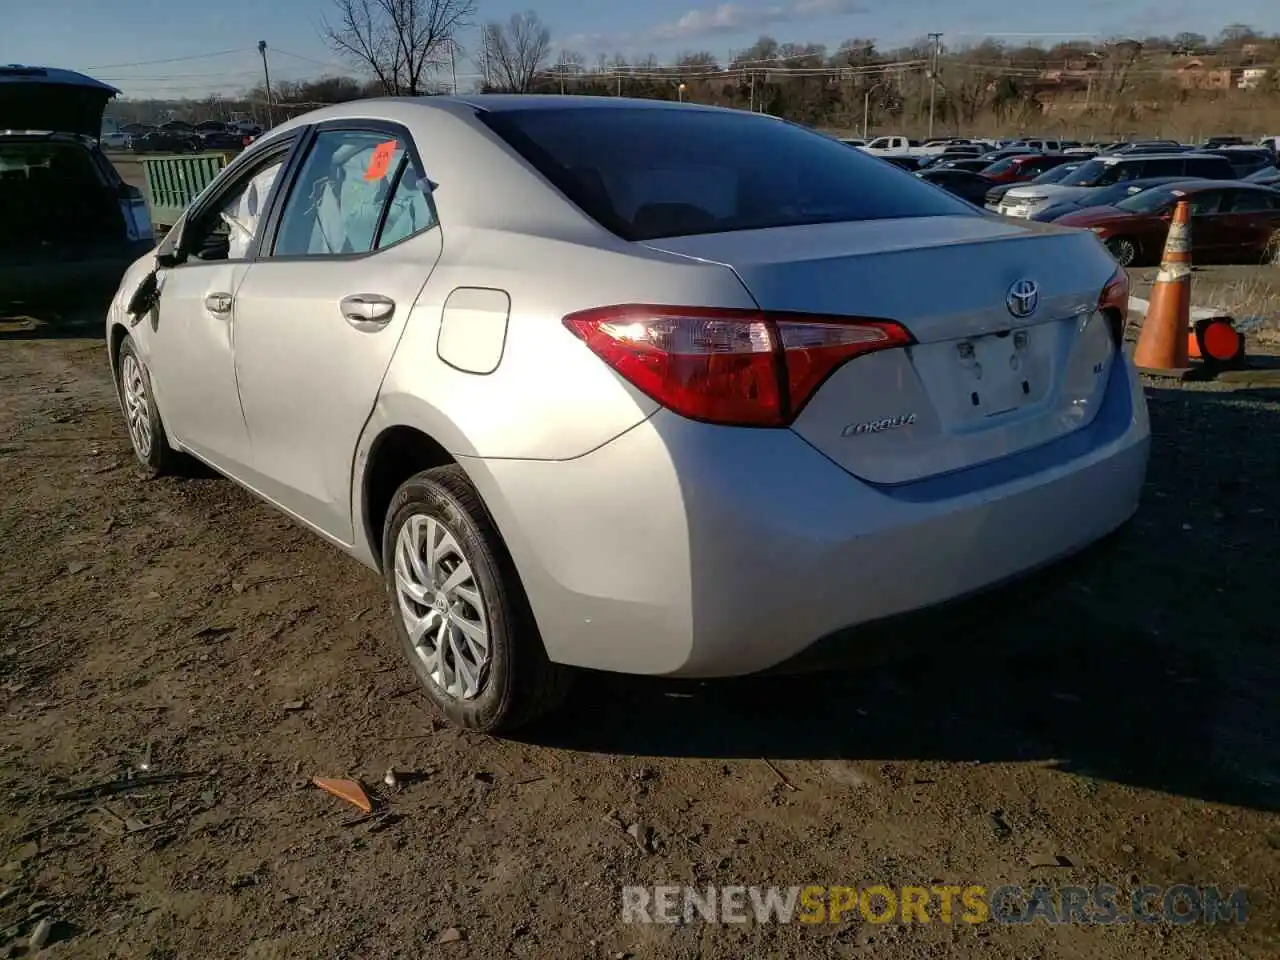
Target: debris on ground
(348, 790)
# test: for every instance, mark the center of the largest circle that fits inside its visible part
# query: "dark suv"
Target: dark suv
(80, 225)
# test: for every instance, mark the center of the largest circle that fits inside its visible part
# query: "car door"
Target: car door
(321, 311)
(1247, 219)
(188, 338)
(1209, 227)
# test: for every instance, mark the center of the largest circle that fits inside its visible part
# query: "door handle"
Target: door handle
(219, 304)
(368, 311)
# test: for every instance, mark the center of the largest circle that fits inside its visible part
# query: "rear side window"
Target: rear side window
(1168, 167)
(1214, 167)
(1250, 201)
(647, 173)
(336, 202)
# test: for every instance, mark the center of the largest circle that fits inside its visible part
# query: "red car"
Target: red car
(1025, 166)
(1231, 222)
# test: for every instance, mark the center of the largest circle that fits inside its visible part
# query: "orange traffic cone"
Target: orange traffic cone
(1162, 344)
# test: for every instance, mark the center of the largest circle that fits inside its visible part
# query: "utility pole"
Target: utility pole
(933, 77)
(453, 62)
(266, 77)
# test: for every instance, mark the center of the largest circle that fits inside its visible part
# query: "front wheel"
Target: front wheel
(1271, 252)
(146, 432)
(459, 609)
(1124, 250)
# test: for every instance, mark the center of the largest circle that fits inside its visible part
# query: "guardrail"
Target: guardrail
(174, 180)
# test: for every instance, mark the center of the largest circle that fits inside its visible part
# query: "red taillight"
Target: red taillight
(1114, 302)
(737, 367)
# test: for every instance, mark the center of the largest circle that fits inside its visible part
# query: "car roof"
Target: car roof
(19, 73)
(1144, 157)
(1200, 184)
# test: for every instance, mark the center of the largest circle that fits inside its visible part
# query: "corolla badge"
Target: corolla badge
(878, 426)
(1022, 299)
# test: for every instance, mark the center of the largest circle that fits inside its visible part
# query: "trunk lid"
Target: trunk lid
(47, 99)
(982, 381)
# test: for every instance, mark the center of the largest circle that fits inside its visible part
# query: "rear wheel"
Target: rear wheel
(146, 432)
(459, 609)
(1124, 250)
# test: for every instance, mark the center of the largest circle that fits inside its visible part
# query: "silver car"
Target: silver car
(644, 387)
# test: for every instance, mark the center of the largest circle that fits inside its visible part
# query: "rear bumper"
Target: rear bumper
(683, 549)
(69, 278)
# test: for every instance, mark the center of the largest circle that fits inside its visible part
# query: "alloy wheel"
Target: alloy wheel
(442, 608)
(137, 406)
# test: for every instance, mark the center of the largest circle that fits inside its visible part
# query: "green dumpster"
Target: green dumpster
(173, 181)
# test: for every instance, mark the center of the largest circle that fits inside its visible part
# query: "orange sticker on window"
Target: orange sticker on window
(380, 162)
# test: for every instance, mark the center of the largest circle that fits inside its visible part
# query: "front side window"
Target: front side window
(336, 201)
(1206, 203)
(226, 231)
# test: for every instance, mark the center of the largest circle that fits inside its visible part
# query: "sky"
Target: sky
(191, 48)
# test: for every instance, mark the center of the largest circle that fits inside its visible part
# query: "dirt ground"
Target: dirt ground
(1117, 718)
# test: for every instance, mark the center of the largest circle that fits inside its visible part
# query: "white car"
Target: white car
(637, 386)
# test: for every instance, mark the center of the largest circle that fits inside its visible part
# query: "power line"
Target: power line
(151, 63)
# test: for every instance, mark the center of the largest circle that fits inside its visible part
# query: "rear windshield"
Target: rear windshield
(651, 173)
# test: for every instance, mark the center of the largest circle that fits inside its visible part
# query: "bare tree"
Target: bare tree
(400, 42)
(516, 51)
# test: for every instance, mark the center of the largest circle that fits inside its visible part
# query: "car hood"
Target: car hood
(59, 101)
(1050, 191)
(1092, 217)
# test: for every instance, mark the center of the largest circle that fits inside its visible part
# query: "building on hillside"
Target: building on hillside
(1194, 75)
(1251, 77)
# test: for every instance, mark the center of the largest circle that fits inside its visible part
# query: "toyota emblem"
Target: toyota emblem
(1022, 299)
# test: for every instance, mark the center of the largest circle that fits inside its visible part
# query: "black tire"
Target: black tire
(159, 458)
(1124, 249)
(518, 683)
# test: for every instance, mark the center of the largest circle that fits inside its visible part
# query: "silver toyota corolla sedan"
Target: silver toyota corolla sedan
(636, 386)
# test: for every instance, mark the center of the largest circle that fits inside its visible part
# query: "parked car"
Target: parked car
(657, 298)
(1052, 175)
(173, 137)
(1212, 142)
(72, 227)
(964, 184)
(973, 165)
(1105, 170)
(1246, 160)
(1148, 146)
(1100, 197)
(908, 163)
(1230, 222)
(1267, 177)
(1018, 169)
(1035, 143)
(115, 140)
